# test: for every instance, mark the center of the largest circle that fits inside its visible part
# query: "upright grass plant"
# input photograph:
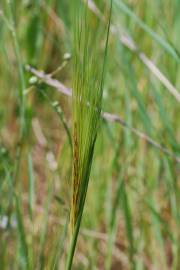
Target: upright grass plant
(22, 254)
(89, 52)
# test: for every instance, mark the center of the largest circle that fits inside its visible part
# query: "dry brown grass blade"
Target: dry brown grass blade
(105, 115)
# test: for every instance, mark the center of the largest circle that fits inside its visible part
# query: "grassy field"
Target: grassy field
(131, 217)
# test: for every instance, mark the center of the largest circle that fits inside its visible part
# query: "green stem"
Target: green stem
(21, 89)
(20, 70)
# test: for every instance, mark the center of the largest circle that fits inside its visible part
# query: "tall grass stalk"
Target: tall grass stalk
(22, 87)
(88, 78)
(20, 68)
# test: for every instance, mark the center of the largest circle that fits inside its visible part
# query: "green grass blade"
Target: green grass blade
(24, 262)
(164, 44)
(129, 226)
(31, 184)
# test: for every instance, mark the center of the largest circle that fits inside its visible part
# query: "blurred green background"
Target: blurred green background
(131, 218)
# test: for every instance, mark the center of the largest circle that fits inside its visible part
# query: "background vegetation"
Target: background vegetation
(131, 218)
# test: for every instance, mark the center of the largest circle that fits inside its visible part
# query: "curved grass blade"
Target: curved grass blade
(164, 44)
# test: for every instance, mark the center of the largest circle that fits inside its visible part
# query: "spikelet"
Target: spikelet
(90, 47)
